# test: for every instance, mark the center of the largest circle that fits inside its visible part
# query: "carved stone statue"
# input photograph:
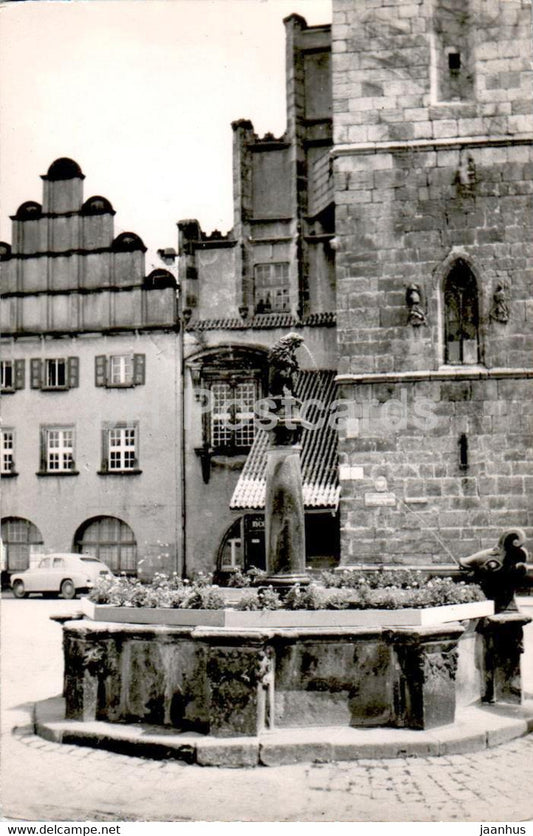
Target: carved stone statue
(416, 315)
(283, 366)
(500, 308)
(500, 570)
(466, 177)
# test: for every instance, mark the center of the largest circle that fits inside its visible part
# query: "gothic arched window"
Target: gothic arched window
(461, 316)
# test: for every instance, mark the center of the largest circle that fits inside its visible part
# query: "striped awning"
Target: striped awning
(319, 452)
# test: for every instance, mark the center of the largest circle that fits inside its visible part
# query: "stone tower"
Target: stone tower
(433, 166)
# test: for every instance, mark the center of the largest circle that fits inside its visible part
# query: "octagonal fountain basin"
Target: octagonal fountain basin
(228, 673)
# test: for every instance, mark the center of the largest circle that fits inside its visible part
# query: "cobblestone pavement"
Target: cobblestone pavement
(48, 781)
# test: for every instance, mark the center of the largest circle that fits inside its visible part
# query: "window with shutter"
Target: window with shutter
(57, 451)
(120, 444)
(120, 370)
(8, 375)
(53, 373)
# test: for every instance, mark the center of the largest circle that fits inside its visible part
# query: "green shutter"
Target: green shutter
(42, 457)
(36, 373)
(100, 370)
(20, 374)
(105, 451)
(73, 369)
(139, 366)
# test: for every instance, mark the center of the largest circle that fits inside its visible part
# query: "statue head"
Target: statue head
(289, 343)
(283, 365)
(499, 570)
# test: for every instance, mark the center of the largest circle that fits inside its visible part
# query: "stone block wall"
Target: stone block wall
(391, 75)
(403, 217)
(433, 167)
(408, 498)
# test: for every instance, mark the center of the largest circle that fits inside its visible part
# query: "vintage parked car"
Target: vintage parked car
(65, 574)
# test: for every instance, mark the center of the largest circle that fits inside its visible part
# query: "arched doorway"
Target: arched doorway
(110, 540)
(243, 545)
(230, 551)
(21, 539)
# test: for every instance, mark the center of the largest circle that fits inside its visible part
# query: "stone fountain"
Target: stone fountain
(249, 675)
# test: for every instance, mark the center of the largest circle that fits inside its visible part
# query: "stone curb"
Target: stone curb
(477, 727)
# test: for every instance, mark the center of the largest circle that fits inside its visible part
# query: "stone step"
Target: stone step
(476, 727)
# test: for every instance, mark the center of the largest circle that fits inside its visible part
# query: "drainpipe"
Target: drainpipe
(170, 258)
(181, 417)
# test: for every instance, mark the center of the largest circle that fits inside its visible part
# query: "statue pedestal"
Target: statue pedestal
(284, 518)
(503, 634)
(425, 660)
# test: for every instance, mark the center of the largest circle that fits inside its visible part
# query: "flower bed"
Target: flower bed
(232, 618)
(353, 601)
(331, 591)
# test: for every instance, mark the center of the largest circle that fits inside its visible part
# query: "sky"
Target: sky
(141, 93)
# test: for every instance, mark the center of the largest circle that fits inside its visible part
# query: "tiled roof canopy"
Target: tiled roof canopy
(318, 458)
(270, 320)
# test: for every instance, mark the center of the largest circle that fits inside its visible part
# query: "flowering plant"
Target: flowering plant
(345, 590)
(164, 591)
(265, 598)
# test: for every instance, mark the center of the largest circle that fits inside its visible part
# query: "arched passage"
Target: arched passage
(20, 538)
(110, 540)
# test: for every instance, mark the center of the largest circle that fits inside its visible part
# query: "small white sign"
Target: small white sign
(350, 472)
(373, 499)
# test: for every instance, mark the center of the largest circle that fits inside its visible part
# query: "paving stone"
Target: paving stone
(272, 754)
(228, 754)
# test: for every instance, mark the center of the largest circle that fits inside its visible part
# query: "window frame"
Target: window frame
(124, 372)
(122, 427)
(103, 370)
(63, 450)
(39, 379)
(4, 452)
(17, 369)
(5, 367)
(232, 380)
(273, 283)
(56, 368)
(460, 291)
